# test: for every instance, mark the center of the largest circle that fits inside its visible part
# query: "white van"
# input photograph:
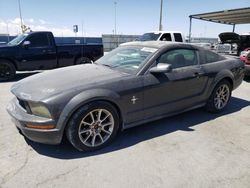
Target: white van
(174, 36)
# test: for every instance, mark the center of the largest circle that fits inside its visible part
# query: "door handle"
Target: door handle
(48, 52)
(197, 74)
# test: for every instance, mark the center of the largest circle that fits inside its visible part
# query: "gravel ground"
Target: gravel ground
(194, 149)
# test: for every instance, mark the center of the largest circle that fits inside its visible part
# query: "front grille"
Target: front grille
(24, 105)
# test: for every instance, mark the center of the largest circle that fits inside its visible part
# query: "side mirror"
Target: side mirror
(161, 68)
(26, 44)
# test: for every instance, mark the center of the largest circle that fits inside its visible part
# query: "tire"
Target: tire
(88, 135)
(7, 70)
(220, 97)
(83, 60)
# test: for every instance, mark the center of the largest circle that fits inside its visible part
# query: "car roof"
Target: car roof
(158, 44)
(164, 32)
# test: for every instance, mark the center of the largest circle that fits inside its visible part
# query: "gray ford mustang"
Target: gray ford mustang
(136, 83)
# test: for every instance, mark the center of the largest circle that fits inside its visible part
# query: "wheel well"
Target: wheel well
(101, 100)
(229, 80)
(11, 61)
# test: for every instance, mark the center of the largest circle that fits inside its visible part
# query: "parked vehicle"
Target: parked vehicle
(245, 57)
(133, 84)
(238, 42)
(204, 45)
(223, 48)
(243, 54)
(38, 51)
(174, 36)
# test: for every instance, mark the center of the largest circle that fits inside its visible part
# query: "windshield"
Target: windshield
(127, 59)
(149, 37)
(18, 39)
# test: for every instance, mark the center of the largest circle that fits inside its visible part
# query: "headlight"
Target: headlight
(39, 110)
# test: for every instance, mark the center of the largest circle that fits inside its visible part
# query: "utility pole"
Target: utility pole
(115, 30)
(21, 18)
(8, 32)
(160, 24)
(115, 3)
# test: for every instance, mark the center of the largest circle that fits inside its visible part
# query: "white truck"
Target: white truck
(174, 36)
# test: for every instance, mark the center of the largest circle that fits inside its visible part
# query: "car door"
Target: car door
(178, 89)
(39, 54)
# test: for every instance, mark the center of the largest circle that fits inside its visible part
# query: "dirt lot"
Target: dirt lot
(194, 149)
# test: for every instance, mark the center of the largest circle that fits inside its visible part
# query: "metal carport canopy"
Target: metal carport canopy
(230, 17)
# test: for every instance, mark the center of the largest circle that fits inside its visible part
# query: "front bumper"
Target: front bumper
(247, 70)
(21, 118)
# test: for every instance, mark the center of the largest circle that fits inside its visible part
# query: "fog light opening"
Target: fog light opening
(40, 126)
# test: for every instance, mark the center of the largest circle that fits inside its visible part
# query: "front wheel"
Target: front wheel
(7, 71)
(219, 97)
(93, 126)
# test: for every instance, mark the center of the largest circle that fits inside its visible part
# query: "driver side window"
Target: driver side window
(38, 40)
(179, 58)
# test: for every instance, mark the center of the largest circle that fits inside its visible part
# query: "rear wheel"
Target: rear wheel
(220, 97)
(93, 126)
(7, 70)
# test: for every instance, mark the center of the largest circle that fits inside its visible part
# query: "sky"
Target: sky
(97, 17)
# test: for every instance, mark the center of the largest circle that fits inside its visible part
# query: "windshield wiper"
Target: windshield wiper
(106, 65)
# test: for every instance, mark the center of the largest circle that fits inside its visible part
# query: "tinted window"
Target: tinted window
(149, 36)
(179, 58)
(38, 40)
(166, 37)
(178, 37)
(211, 57)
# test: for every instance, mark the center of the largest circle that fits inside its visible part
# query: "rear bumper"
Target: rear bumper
(21, 118)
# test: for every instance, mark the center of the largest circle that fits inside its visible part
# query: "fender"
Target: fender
(224, 74)
(83, 98)
(15, 62)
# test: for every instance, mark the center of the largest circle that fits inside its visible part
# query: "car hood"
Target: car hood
(6, 47)
(49, 83)
(229, 37)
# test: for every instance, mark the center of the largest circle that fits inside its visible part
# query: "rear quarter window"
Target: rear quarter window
(211, 57)
(178, 37)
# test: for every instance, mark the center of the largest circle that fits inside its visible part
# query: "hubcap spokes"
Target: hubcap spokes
(96, 127)
(222, 96)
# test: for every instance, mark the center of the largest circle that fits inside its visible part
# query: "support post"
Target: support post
(190, 29)
(233, 27)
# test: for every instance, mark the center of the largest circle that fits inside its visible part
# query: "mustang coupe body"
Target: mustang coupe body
(136, 83)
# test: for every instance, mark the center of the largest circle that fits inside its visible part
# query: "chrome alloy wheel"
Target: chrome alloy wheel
(222, 96)
(96, 127)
